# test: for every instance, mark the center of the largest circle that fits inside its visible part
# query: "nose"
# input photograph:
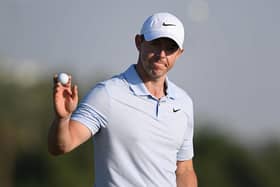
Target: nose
(161, 53)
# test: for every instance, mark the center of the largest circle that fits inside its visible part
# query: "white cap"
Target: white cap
(163, 25)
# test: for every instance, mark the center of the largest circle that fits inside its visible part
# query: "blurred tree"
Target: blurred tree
(221, 162)
(26, 114)
(269, 157)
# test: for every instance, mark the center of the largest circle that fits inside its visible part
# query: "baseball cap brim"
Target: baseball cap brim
(160, 34)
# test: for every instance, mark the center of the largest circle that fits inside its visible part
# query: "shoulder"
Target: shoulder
(115, 81)
(183, 101)
(106, 88)
(180, 94)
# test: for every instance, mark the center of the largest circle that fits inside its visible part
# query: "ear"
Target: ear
(138, 41)
(179, 53)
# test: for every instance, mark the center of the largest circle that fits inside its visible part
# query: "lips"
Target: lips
(158, 67)
(159, 63)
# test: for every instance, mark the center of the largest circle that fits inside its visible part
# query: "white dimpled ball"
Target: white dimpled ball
(63, 78)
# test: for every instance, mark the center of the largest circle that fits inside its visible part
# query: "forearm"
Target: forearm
(59, 137)
(186, 179)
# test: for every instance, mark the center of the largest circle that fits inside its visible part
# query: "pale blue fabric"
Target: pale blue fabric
(137, 138)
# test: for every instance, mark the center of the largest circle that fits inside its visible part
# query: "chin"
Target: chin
(157, 74)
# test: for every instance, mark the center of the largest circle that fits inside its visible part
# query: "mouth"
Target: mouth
(159, 63)
(158, 66)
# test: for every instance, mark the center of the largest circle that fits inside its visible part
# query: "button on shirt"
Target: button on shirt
(137, 138)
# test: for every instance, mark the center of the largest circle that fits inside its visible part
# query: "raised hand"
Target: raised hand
(65, 98)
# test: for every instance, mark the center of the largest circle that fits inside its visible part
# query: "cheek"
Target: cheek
(171, 62)
(143, 56)
(146, 55)
(172, 59)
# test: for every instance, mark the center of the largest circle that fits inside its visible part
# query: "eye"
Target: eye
(155, 43)
(166, 44)
(172, 47)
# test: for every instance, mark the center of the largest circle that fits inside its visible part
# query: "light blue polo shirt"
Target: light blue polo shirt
(137, 138)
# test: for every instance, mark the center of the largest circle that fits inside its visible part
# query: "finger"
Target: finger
(55, 78)
(57, 85)
(69, 81)
(75, 92)
(61, 90)
(57, 88)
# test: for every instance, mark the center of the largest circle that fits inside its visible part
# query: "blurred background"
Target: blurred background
(230, 68)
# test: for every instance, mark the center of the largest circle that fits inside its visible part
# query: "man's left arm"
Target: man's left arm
(185, 174)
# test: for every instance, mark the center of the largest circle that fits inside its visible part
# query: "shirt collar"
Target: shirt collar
(138, 87)
(170, 89)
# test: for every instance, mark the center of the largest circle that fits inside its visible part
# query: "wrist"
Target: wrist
(65, 118)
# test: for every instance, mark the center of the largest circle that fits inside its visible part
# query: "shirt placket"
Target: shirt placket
(160, 108)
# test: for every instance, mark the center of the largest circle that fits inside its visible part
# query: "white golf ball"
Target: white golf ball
(63, 78)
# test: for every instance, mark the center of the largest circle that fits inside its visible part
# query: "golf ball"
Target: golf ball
(63, 78)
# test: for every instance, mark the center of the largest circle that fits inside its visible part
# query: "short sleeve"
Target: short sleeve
(93, 110)
(186, 150)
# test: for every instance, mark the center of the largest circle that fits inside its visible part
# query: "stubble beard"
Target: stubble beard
(154, 70)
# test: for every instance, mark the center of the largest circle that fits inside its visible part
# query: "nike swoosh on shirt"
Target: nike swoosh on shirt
(176, 110)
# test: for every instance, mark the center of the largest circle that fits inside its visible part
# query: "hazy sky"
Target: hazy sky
(230, 66)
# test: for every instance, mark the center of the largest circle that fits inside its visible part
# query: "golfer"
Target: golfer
(140, 121)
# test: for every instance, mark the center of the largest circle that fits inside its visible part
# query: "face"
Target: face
(156, 57)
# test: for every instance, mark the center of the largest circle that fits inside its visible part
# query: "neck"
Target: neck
(156, 86)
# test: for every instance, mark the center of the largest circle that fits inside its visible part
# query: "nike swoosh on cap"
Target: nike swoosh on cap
(168, 24)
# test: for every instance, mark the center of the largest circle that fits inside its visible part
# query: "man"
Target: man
(141, 122)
